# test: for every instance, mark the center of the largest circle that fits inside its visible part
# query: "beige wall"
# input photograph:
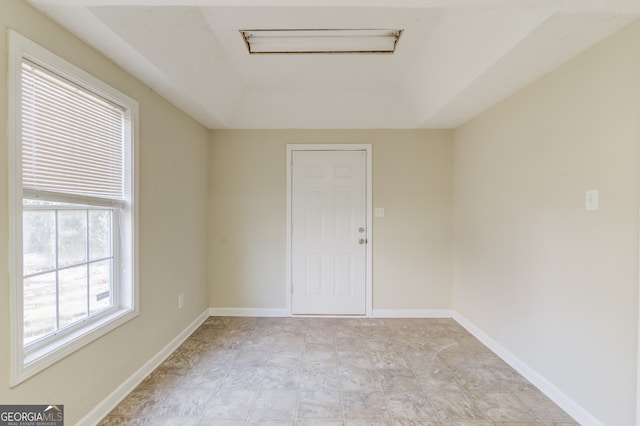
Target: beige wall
(172, 207)
(554, 284)
(411, 244)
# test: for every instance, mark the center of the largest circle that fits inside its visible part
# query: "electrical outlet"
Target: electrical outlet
(180, 301)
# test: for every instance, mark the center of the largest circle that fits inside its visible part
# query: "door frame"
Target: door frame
(369, 206)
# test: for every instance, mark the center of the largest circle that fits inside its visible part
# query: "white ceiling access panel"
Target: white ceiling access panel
(333, 41)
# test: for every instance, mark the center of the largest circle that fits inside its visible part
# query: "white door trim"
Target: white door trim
(333, 147)
(638, 353)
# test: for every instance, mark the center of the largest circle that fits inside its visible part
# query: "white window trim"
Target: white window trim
(22, 368)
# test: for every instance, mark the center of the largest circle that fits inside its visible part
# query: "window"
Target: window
(72, 183)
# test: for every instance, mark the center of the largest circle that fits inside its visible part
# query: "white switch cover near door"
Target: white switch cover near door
(591, 200)
(378, 212)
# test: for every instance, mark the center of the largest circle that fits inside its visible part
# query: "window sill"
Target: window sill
(35, 362)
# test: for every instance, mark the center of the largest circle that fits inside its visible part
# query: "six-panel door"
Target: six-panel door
(329, 232)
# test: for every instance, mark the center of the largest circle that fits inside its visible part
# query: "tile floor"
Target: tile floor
(326, 371)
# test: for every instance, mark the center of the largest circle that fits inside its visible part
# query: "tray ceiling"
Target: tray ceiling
(455, 58)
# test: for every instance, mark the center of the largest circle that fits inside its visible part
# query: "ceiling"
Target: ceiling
(455, 58)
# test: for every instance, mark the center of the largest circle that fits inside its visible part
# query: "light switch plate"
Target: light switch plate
(378, 212)
(591, 200)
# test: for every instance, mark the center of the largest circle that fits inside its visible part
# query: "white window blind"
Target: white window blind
(72, 139)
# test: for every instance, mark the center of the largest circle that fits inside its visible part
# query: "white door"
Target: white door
(329, 237)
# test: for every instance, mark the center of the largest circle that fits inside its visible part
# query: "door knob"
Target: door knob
(362, 241)
(361, 229)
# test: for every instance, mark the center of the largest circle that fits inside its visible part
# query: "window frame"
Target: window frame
(25, 364)
(44, 342)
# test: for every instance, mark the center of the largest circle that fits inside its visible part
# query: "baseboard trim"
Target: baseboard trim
(576, 411)
(101, 410)
(247, 312)
(412, 313)
(375, 313)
